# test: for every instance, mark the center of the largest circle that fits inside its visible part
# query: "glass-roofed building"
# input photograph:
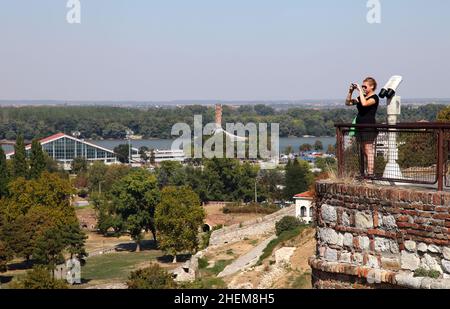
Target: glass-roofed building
(64, 148)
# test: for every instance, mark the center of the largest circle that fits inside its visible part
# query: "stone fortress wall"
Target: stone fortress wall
(377, 237)
(257, 227)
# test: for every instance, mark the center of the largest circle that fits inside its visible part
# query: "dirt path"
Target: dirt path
(247, 260)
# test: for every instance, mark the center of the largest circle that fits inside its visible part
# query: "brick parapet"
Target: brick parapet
(389, 230)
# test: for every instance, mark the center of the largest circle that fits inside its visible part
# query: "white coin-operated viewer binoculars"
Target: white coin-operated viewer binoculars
(389, 91)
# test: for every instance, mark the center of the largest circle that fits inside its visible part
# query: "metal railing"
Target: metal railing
(415, 153)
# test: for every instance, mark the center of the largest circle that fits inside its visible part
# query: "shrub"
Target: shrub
(422, 272)
(204, 283)
(39, 278)
(152, 277)
(219, 266)
(205, 240)
(202, 263)
(83, 193)
(287, 224)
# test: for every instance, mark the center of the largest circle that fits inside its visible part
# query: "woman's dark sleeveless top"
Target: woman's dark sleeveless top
(367, 114)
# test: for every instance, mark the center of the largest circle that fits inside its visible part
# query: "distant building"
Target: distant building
(64, 148)
(304, 207)
(169, 155)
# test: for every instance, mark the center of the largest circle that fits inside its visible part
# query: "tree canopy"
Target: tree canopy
(112, 122)
(179, 217)
(134, 199)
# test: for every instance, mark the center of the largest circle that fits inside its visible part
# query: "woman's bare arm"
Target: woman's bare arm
(349, 101)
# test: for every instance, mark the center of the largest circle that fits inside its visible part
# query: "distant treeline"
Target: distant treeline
(112, 122)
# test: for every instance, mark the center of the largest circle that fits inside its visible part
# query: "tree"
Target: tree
(143, 153)
(18, 234)
(37, 160)
(152, 277)
(50, 165)
(298, 178)
(270, 184)
(39, 278)
(74, 239)
(318, 146)
(326, 164)
(416, 150)
(168, 172)
(79, 165)
(135, 198)
(305, 147)
(4, 174)
(20, 159)
(123, 153)
(6, 254)
(49, 191)
(49, 247)
(179, 217)
(36, 212)
(152, 156)
(247, 177)
(96, 175)
(264, 110)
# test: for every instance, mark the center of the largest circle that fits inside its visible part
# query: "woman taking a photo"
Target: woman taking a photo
(367, 103)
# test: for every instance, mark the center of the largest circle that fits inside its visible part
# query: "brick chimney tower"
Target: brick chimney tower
(219, 115)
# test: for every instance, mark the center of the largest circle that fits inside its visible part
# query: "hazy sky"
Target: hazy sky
(220, 49)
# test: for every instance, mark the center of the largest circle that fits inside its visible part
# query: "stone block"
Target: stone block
(410, 245)
(363, 220)
(364, 243)
(372, 262)
(345, 257)
(389, 222)
(446, 266)
(390, 263)
(329, 213)
(408, 280)
(382, 244)
(329, 236)
(348, 240)
(446, 252)
(283, 255)
(410, 261)
(422, 247)
(331, 255)
(434, 249)
(345, 219)
(430, 263)
(357, 258)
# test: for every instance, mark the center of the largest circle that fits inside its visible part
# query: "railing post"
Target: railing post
(440, 160)
(340, 151)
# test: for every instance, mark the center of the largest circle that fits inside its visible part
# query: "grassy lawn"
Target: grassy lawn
(116, 266)
(208, 276)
